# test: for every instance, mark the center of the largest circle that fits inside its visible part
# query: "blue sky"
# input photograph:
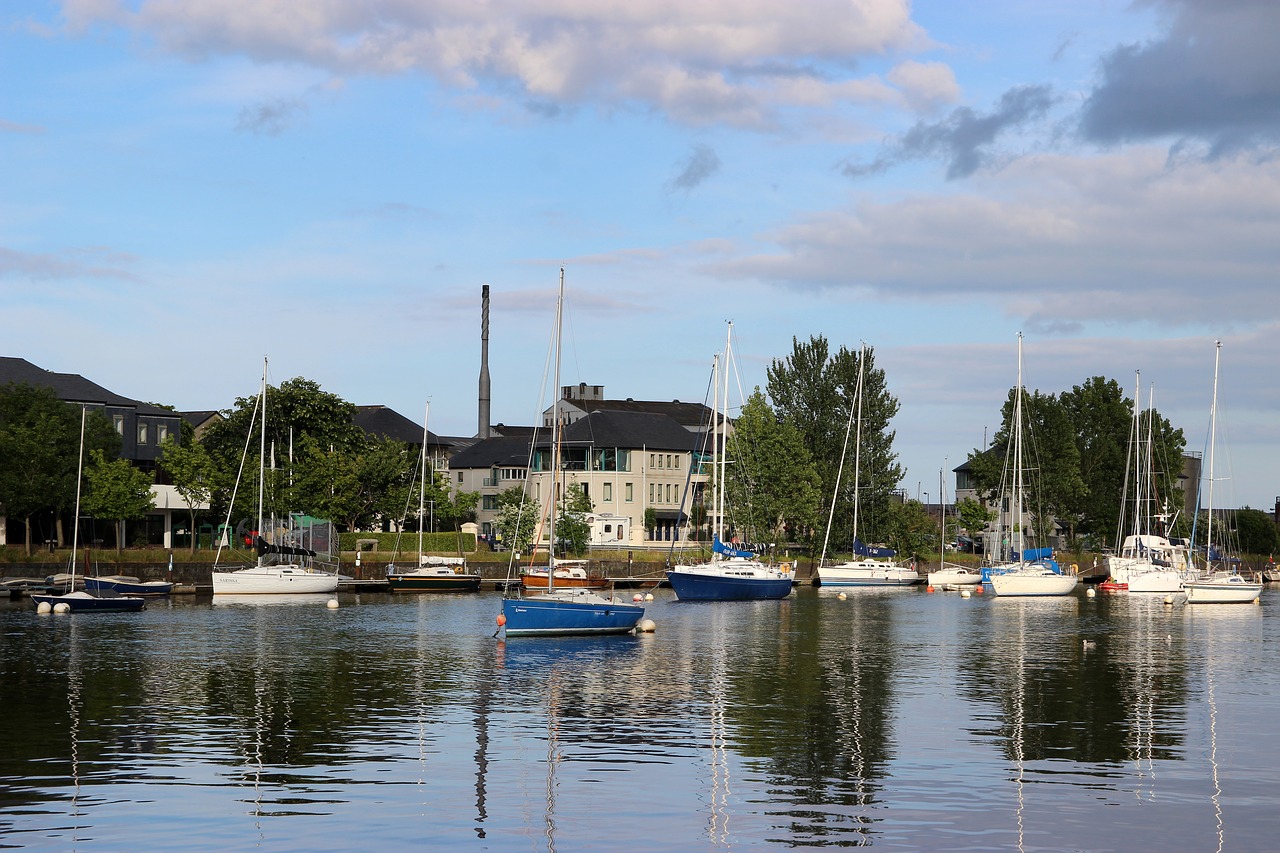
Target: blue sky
(189, 186)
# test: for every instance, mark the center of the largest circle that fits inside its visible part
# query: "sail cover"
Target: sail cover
(721, 548)
(863, 550)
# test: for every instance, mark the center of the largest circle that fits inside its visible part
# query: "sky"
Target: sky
(189, 186)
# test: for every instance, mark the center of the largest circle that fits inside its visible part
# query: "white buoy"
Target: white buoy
(62, 607)
(964, 593)
(637, 597)
(842, 596)
(44, 607)
(648, 596)
(646, 626)
(1090, 592)
(332, 604)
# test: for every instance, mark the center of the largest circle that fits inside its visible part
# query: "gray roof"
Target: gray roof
(688, 415)
(385, 422)
(71, 387)
(493, 452)
(631, 430)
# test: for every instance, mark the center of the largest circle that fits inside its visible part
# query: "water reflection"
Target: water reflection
(896, 718)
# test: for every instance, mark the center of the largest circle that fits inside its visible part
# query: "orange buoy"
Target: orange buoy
(502, 619)
(929, 588)
(979, 589)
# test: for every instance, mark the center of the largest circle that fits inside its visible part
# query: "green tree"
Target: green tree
(40, 444)
(771, 480)
(116, 490)
(1107, 435)
(912, 530)
(516, 519)
(1256, 532)
(975, 516)
(572, 530)
(352, 486)
(194, 475)
(815, 392)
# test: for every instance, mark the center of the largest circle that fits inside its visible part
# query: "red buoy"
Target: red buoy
(502, 619)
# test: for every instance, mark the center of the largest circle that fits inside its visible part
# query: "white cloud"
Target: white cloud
(699, 61)
(1056, 239)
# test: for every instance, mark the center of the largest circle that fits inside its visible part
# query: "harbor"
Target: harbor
(897, 718)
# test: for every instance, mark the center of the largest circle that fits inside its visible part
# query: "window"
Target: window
(671, 461)
(162, 433)
(606, 491)
(651, 462)
(651, 493)
(459, 476)
(119, 422)
(627, 487)
(142, 433)
(489, 502)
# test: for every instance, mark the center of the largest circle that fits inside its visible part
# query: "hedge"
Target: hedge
(432, 543)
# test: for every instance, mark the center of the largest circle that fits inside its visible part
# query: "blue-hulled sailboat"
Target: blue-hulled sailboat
(565, 611)
(731, 574)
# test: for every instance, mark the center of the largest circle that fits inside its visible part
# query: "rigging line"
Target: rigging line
(700, 453)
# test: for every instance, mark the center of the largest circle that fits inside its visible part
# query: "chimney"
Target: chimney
(484, 364)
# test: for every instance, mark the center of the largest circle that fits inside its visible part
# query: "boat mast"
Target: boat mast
(1017, 457)
(1213, 428)
(75, 527)
(422, 488)
(555, 439)
(724, 434)
(262, 453)
(857, 453)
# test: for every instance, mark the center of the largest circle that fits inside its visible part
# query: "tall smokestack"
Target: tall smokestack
(484, 364)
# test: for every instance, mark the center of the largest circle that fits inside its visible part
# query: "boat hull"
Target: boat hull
(1223, 592)
(556, 615)
(273, 580)
(536, 581)
(700, 586)
(127, 586)
(433, 583)
(84, 602)
(1027, 584)
(867, 573)
(954, 577)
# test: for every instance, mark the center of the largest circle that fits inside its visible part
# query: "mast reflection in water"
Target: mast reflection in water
(908, 720)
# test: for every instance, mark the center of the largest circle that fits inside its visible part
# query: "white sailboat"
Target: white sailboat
(731, 574)
(1223, 585)
(1034, 572)
(953, 575)
(1147, 561)
(282, 566)
(869, 566)
(433, 573)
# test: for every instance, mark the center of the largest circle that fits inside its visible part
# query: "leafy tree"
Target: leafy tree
(572, 530)
(116, 490)
(1255, 531)
(912, 531)
(194, 475)
(815, 392)
(40, 444)
(974, 516)
(1103, 422)
(651, 517)
(353, 486)
(771, 481)
(516, 519)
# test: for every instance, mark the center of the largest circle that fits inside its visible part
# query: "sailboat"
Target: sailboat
(85, 601)
(273, 572)
(949, 576)
(732, 574)
(870, 566)
(561, 611)
(1223, 585)
(433, 574)
(1034, 571)
(1148, 561)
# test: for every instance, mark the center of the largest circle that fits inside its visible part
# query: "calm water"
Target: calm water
(898, 719)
